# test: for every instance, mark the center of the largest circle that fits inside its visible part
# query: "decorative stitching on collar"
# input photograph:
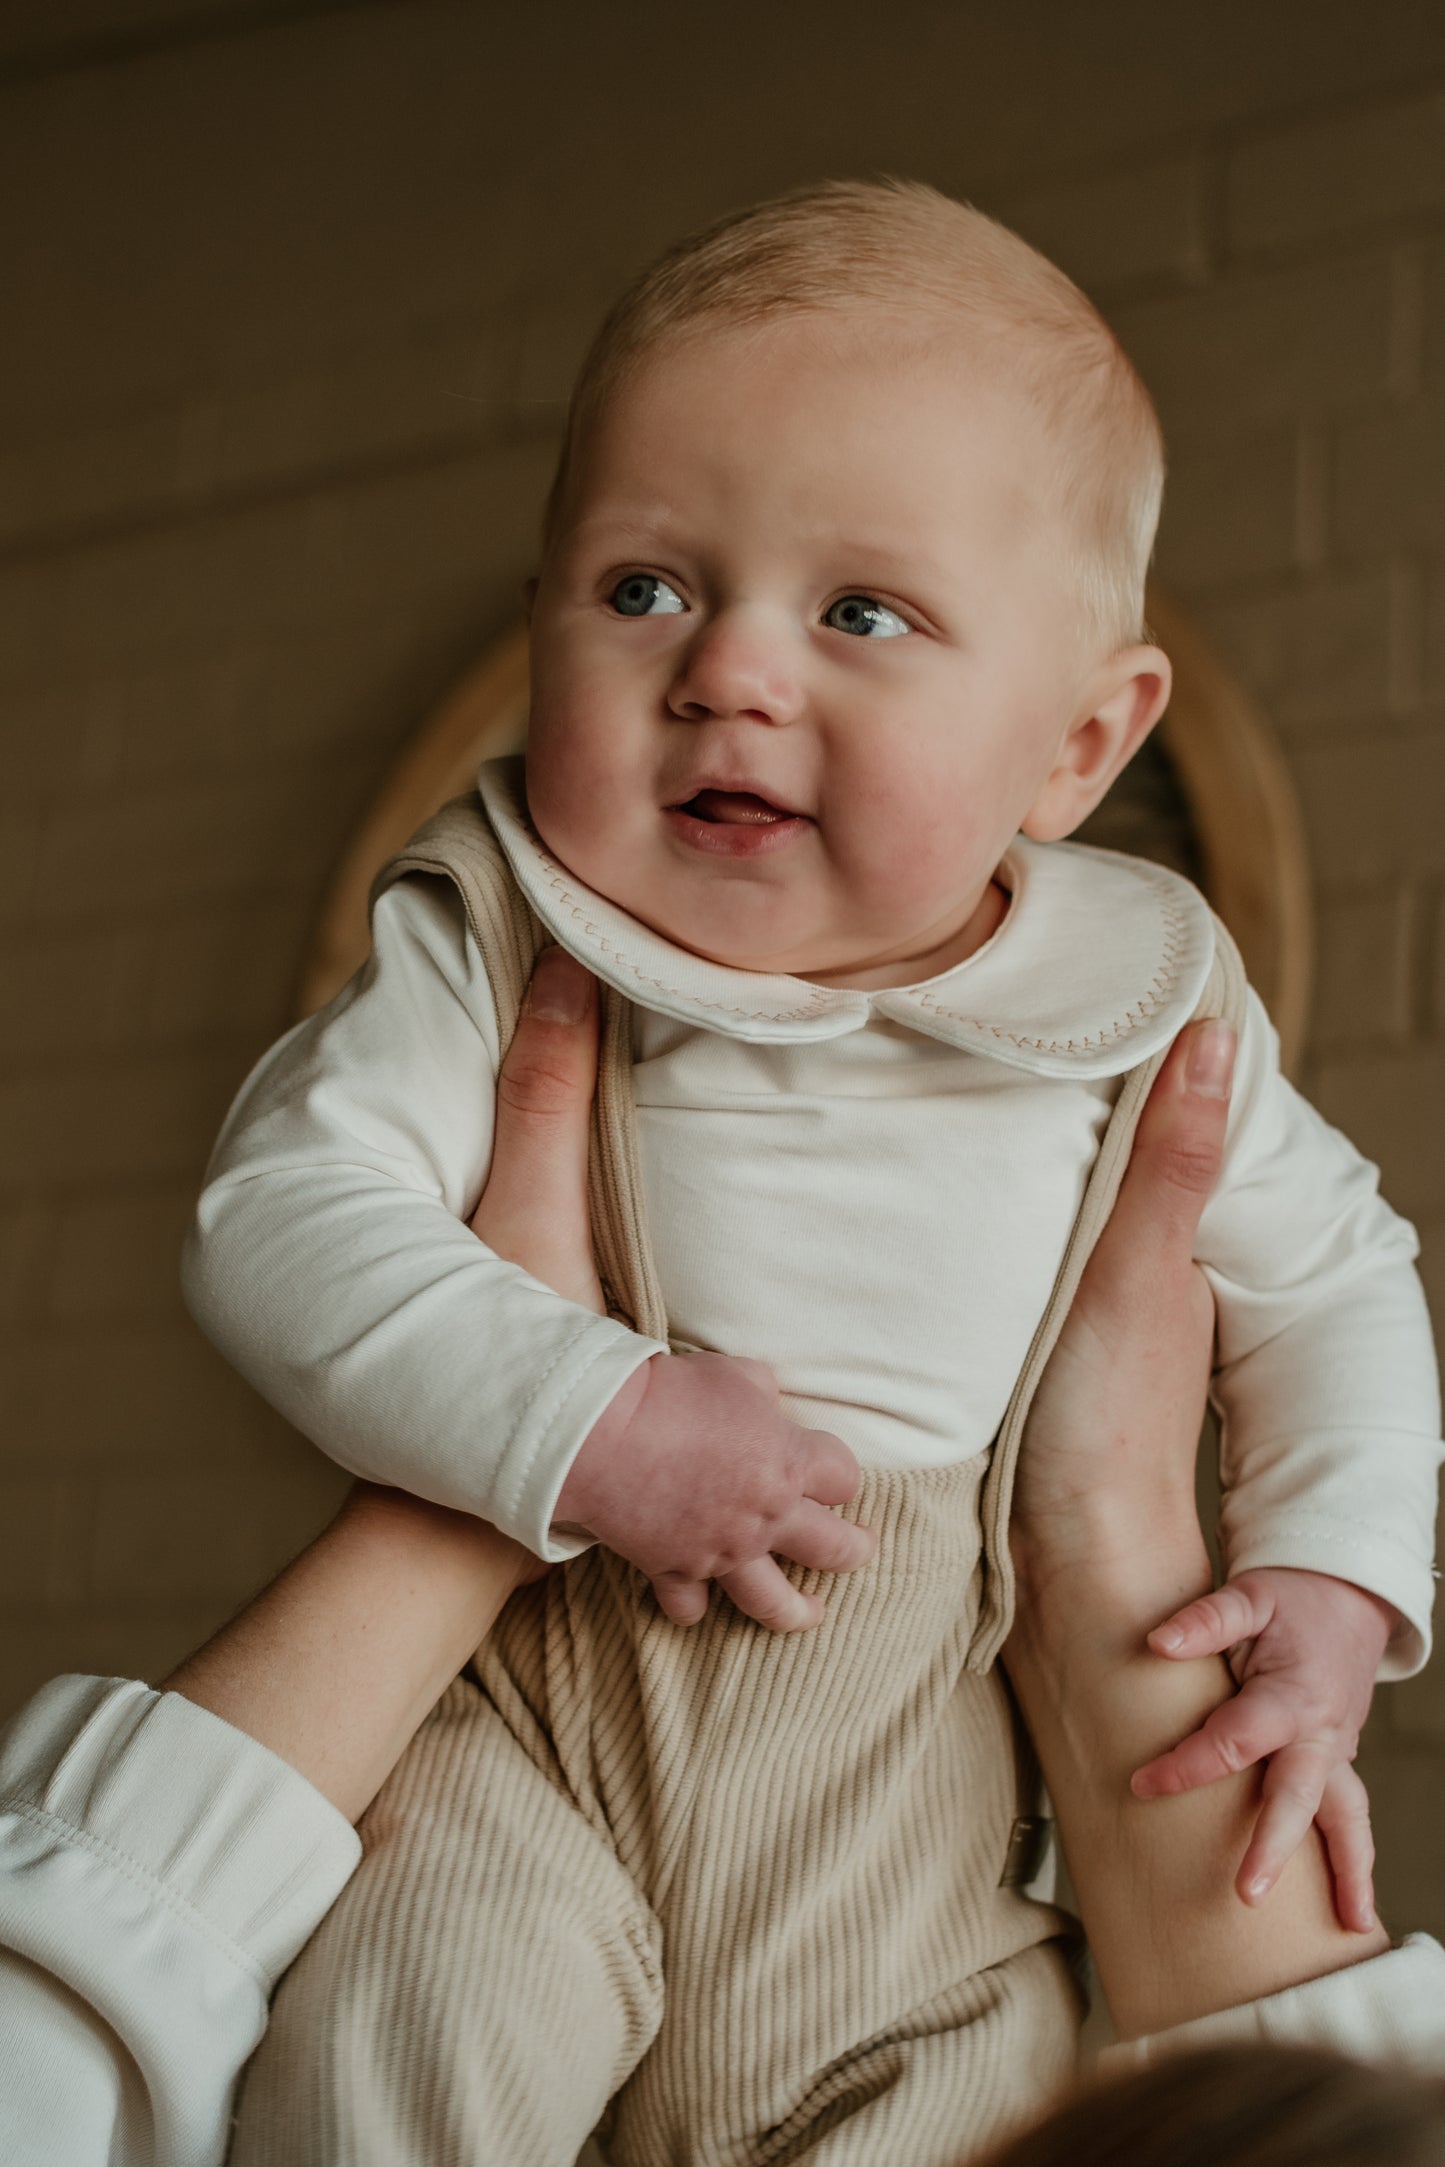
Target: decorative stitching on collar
(1160, 987)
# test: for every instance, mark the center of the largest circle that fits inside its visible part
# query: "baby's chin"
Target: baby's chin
(754, 940)
(733, 951)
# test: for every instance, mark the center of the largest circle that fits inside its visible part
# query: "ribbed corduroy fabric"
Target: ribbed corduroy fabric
(749, 1883)
(747, 1888)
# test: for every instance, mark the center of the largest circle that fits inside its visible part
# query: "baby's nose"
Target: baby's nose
(734, 665)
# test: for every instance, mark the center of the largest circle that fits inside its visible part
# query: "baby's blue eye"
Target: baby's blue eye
(642, 594)
(865, 619)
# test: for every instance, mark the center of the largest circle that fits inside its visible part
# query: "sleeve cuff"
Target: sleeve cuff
(1389, 2008)
(158, 1871)
(160, 1803)
(569, 1398)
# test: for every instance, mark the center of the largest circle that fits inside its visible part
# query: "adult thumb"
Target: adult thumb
(1177, 1152)
(533, 1210)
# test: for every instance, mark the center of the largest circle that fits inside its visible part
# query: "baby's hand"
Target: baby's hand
(1306, 1648)
(694, 1473)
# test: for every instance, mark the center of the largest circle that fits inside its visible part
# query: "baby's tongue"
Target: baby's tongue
(734, 808)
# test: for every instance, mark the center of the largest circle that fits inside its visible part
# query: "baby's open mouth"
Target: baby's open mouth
(734, 809)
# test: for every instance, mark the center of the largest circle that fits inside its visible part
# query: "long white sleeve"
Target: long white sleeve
(331, 1264)
(158, 1872)
(1326, 1384)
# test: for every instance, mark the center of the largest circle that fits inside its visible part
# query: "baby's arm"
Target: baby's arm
(1330, 1419)
(332, 1263)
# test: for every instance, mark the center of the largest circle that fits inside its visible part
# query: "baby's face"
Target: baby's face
(803, 653)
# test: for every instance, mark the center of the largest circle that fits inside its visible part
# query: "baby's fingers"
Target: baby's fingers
(830, 1472)
(813, 1536)
(1294, 1784)
(1254, 1723)
(1344, 1821)
(761, 1591)
(679, 1598)
(1212, 1625)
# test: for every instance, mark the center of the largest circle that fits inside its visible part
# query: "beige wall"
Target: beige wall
(293, 295)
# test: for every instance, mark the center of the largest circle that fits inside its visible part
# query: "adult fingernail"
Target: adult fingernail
(1258, 1887)
(558, 992)
(1168, 1636)
(1210, 1065)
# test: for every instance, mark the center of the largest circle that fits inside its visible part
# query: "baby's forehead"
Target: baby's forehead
(882, 436)
(859, 333)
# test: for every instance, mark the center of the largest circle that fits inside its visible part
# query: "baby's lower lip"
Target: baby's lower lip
(742, 827)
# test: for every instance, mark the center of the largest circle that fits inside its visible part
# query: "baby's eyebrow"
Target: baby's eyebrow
(882, 556)
(630, 526)
(887, 558)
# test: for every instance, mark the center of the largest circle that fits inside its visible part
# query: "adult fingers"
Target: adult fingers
(1294, 1784)
(1213, 1624)
(1344, 1822)
(761, 1591)
(533, 1210)
(817, 1538)
(1174, 1162)
(1257, 1721)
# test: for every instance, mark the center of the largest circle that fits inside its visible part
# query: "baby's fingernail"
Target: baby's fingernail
(1258, 1887)
(1168, 1636)
(1210, 1066)
(558, 992)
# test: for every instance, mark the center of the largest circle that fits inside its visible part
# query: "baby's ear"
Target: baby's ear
(1125, 698)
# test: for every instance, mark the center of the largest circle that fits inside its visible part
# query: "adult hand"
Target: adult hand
(1106, 1539)
(1117, 1419)
(1114, 1428)
(693, 1472)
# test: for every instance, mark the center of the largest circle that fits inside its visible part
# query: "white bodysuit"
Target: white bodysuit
(870, 1191)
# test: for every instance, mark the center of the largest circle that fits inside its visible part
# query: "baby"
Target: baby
(837, 633)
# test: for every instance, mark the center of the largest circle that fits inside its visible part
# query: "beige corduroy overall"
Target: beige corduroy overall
(743, 1898)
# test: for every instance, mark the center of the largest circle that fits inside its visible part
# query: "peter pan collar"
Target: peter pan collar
(1099, 961)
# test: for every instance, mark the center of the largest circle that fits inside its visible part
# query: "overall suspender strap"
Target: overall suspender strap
(1223, 995)
(458, 845)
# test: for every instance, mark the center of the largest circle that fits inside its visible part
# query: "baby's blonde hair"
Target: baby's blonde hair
(904, 245)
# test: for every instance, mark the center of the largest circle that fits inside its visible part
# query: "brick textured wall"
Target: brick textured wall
(294, 293)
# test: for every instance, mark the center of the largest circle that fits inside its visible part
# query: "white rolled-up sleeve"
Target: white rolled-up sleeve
(1391, 2008)
(158, 1872)
(1326, 1386)
(330, 1261)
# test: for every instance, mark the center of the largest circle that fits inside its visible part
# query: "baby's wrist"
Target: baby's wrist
(591, 1470)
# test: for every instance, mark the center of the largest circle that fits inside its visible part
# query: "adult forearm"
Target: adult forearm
(337, 1663)
(1154, 1879)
